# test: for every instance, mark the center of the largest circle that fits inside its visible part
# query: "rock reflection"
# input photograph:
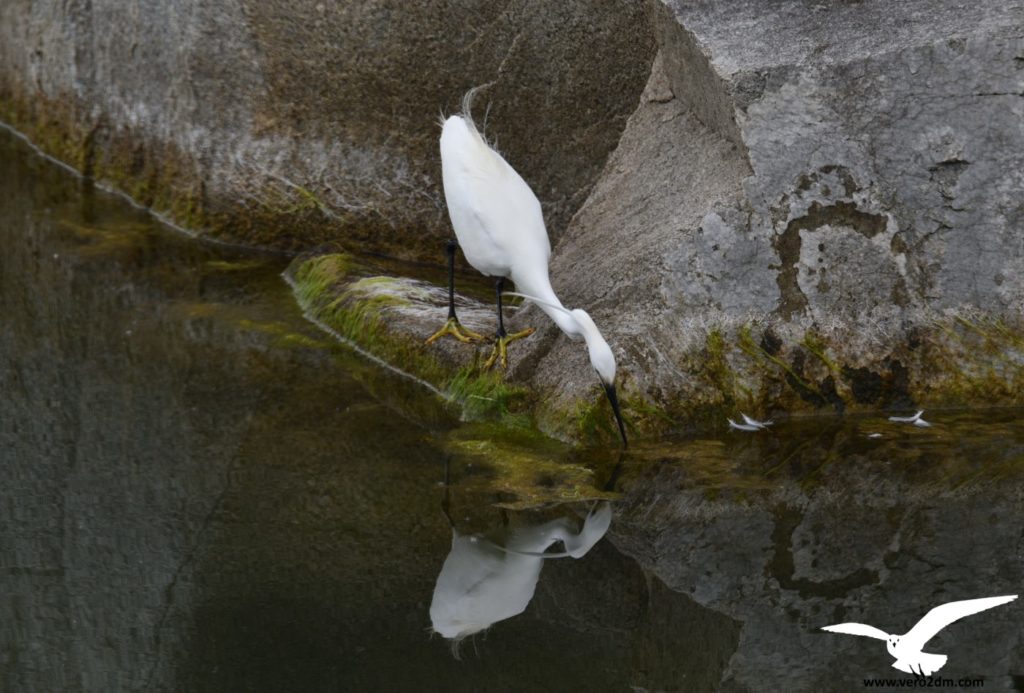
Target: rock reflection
(813, 525)
(200, 493)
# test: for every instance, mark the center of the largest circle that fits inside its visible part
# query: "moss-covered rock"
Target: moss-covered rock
(753, 367)
(391, 317)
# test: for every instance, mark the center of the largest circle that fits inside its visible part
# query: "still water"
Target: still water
(200, 492)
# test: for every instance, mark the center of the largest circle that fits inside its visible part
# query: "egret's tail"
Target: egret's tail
(463, 145)
(467, 104)
(465, 116)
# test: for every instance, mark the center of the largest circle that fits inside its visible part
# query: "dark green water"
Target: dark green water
(200, 492)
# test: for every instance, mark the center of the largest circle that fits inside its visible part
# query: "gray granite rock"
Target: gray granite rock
(813, 205)
(826, 199)
(295, 123)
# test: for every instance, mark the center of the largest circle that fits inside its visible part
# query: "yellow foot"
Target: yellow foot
(501, 348)
(455, 329)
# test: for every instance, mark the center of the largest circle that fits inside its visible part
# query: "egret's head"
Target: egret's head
(601, 356)
(603, 361)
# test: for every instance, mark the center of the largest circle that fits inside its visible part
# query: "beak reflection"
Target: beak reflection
(614, 399)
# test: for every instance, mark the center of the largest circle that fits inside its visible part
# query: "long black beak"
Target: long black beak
(614, 399)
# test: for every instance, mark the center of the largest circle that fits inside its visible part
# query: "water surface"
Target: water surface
(201, 492)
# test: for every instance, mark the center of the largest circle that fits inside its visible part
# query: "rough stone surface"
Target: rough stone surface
(294, 123)
(810, 198)
(814, 206)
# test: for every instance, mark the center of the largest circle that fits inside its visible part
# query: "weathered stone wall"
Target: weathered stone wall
(294, 123)
(813, 205)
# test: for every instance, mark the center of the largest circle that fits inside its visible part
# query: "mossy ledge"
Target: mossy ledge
(388, 318)
(760, 368)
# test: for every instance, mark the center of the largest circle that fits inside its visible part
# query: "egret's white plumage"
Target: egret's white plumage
(500, 226)
(583, 327)
(482, 583)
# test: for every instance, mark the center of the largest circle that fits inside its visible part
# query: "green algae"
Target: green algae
(817, 347)
(481, 395)
(525, 469)
(716, 366)
(756, 351)
(330, 290)
(172, 181)
(285, 335)
(594, 423)
(980, 360)
(233, 265)
(974, 359)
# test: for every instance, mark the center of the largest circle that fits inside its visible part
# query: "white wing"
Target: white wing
(858, 629)
(496, 217)
(941, 616)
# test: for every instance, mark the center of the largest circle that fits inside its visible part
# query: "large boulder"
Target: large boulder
(289, 124)
(814, 205)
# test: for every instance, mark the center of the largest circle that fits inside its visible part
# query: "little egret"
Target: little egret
(500, 226)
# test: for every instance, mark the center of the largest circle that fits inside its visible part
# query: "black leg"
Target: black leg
(503, 338)
(450, 248)
(452, 325)
(499, 286)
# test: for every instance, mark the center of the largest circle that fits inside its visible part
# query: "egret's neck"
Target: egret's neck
(592, 337)
(565, 322)
(541, 288)
(561, 317)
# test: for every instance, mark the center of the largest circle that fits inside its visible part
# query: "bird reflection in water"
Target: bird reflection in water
(484, 581)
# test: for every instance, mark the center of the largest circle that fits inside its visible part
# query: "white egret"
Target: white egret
(500, 227)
